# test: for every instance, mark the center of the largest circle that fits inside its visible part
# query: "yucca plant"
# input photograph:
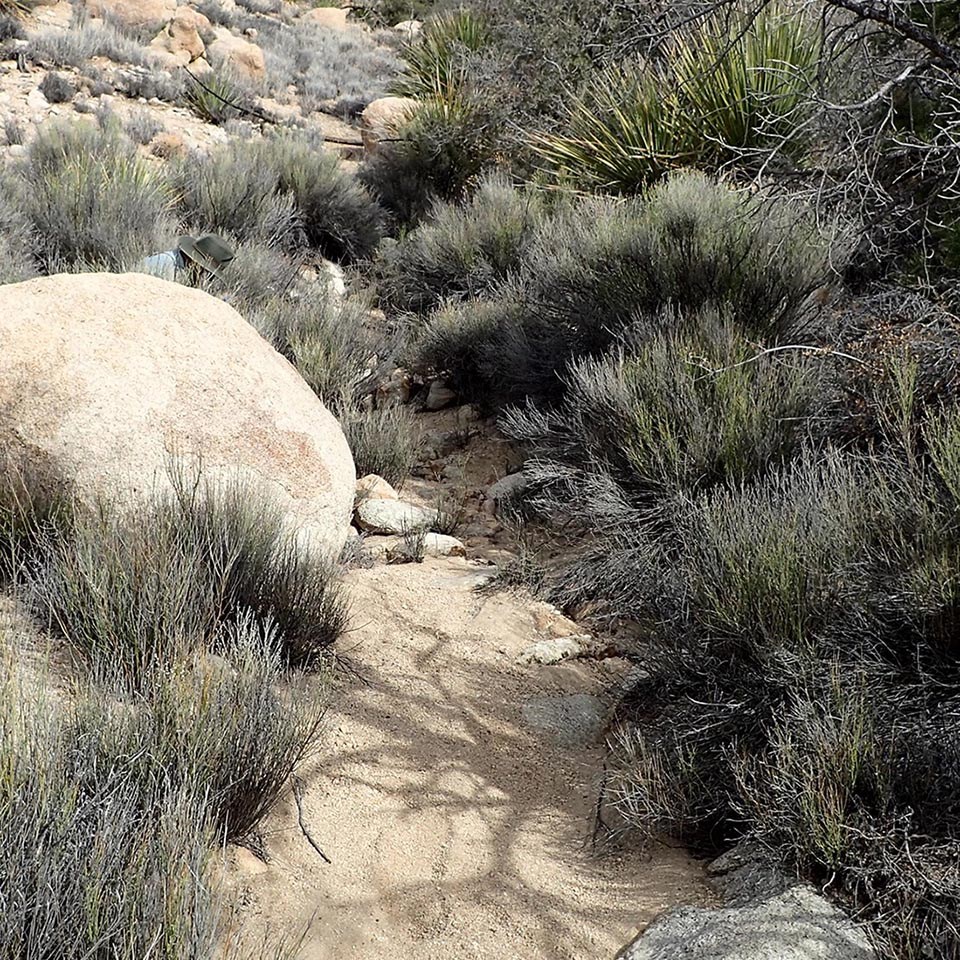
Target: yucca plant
(216, 99)
(731, 88)
(435, 60)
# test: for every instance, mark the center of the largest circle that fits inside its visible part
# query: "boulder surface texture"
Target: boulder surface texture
(108, 379)
(797, 924)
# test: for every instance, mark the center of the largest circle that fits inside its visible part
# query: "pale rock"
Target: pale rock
(548, 652)
(383, 119)
(104, 378)
(392, 517)
(372, 487)
(242, 56)
(429, 545)
(333, 18)
(443, 545)
(180, 38)
(335, 277)
(798, 924)
(134, 14)
(439, 396)
(408, 29)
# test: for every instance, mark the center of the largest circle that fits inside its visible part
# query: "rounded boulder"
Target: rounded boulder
(107, 379)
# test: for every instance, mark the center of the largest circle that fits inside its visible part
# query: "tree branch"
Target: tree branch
(885, 12)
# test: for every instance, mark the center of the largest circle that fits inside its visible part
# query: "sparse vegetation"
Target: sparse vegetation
(89, 200)
(701, 257)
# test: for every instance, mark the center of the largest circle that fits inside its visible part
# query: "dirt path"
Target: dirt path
(456, 829)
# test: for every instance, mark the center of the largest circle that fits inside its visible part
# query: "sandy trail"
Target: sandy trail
(455, 828)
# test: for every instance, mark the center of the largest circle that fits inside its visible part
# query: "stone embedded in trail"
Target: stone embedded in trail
(574, 720)
(393, 517)
(105, 377)
(548, 652)
(439, 396)
(798, 924)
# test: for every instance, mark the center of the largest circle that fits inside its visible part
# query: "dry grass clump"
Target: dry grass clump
(191, 616)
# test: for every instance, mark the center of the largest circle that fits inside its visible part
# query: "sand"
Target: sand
(456, 827)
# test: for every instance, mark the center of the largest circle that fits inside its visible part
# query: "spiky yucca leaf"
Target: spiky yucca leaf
(434, 61)
(730, 88)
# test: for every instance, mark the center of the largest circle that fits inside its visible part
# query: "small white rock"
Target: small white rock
(551, 651)
(392, 516)
(372, 487)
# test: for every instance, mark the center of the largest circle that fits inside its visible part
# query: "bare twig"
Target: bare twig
(303, 827)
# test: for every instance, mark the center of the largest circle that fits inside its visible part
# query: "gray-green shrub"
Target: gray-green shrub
(90, 200)
(689, 243)
(131, 590)
(282, 190)
(462, 250)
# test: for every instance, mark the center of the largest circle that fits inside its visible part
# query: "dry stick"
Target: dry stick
(260, 115)
(303, 826)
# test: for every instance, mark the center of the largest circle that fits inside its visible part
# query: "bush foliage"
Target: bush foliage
(586, 275)
(283, 191)
(90, 201)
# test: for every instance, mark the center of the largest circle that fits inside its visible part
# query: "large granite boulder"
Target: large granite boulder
(105, 378)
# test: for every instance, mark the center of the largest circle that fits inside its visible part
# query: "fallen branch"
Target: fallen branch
(303, 826)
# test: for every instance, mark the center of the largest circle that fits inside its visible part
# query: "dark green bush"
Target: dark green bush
(436, 63)
(217, 98)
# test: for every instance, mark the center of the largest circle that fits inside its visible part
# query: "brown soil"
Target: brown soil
(454, 828)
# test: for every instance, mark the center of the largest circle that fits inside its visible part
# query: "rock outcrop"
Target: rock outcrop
(797, 924)
(134, 14)
(241, 56)
(104, 378)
